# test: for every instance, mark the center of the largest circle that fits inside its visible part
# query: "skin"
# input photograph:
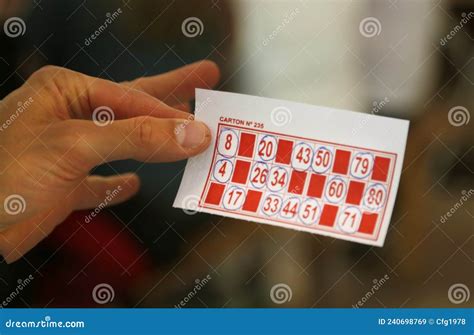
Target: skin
(48, 150)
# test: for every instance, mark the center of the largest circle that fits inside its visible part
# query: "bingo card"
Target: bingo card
(316, 169)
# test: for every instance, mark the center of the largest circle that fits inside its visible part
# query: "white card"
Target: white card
(316, 169)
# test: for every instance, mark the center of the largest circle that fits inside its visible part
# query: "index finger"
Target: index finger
(84, 97)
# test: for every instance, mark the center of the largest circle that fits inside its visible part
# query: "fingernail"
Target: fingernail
(192, 134)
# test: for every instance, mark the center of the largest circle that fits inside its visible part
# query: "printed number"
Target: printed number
(302, 156)
(271, 205)
(322, 160)
(290, 208)
(228, 143)
(259, 175)
(362, 164)
(309, 211)
(349, 220)
(267, 147)
(278, 178)
(223, 170)
(335, 190)
(374, 197)
(234, 198)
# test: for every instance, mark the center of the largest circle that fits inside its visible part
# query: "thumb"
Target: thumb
(142, 138)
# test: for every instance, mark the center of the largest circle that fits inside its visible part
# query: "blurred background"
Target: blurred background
(410, 59)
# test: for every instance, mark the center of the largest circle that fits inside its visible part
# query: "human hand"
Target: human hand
(51, 137)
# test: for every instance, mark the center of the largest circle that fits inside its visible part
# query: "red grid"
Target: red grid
(302, 185)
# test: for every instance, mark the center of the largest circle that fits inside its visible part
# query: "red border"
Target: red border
(316, 228)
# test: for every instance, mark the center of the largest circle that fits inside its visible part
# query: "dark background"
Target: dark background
(153, 255)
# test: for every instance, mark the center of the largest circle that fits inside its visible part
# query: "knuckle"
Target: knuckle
(46, 72)
(52, 84)
(56, 74)
(136, 84)
(64, 88)
(143, 127)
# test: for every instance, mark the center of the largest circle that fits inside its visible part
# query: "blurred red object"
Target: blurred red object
(88, 254)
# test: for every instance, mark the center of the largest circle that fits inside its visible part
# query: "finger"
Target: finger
(141, 138)
(178, 86)
(99, 192)
(126, 102)
(98, 99)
